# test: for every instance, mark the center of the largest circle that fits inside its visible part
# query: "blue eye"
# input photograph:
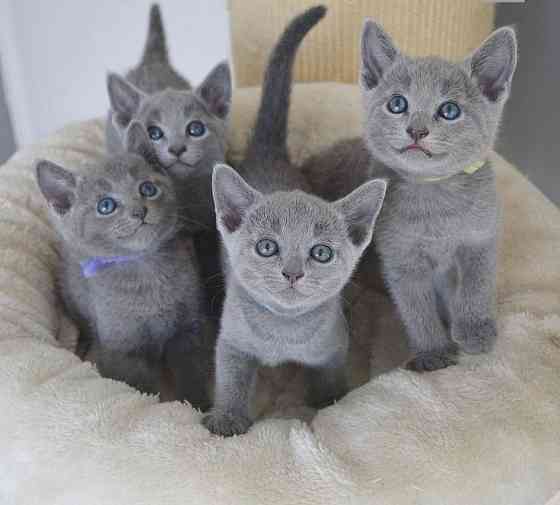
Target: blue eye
(321, 253)
(106, 206)
(155, 132)
(449, 111)
(267, 248)
(149, 189)
(196, 128)
(398, 104)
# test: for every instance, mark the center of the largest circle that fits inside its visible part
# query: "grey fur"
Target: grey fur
(138, 314)
(270, 318)
(436, 239)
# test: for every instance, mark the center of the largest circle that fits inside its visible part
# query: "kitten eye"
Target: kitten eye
(149, 189)
(267, 248)
(196, 128)
(398, 104)
(449, 111)
(106, 206)
(155, 132)
(321, 253)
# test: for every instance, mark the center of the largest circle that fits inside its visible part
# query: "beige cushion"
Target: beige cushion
(483, 432)
(449, 28)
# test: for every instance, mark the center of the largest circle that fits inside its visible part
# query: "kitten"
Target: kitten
(429, 128)
(188, 130)
(128, 277)
(288, 256)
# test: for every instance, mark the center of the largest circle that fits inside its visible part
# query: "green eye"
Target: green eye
(321, 253)
(449, 111)
(106, 206)
(267, 248)
(155, 132)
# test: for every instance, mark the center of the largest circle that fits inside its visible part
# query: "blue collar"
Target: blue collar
(92, 266)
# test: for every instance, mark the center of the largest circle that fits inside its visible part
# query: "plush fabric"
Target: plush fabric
(483, 432)
(331, 51)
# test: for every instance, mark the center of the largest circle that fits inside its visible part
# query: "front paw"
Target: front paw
(475, 337)
(226, 425)
(432, 360)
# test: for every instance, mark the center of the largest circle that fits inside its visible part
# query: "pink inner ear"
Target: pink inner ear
(231, 221)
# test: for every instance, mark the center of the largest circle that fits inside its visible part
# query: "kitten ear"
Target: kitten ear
(378, 54)
(124, 98)
(57, 184)
(492, 65)
(138, 142)
(361, 208)
(232, 197)
(216, 90)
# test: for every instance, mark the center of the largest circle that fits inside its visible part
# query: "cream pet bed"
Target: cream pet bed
(483, 432)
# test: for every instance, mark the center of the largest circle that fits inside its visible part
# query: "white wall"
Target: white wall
(56, 53)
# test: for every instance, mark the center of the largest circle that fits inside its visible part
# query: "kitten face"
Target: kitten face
(187, 128)
(290, 250)
(427, 117)
(121, 206)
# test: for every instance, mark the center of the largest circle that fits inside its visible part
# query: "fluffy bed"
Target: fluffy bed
(483, 432)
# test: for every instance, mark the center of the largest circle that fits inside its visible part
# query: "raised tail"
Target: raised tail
(269, 136)
(156, 46)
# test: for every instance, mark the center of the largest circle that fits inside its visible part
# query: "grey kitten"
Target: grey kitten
(429, 127)
(128, 277)
(288, 256)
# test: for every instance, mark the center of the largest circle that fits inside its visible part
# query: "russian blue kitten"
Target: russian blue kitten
(187, 127)
(429, 127)
(288, 256)
(128, 277)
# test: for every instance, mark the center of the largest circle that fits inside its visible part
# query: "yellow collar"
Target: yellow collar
(471, 169)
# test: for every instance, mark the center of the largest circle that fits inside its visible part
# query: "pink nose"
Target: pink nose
(292, 277)
(417, 133)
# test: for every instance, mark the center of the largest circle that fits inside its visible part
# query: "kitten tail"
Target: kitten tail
(156, 46)
(270, 132)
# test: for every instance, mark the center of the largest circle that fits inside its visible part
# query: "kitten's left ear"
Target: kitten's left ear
(57, 184)
(361, 208)
(125, 99)
(378, 54)
(138, 142)
(216, 90)
(492, 65)
(232, 197)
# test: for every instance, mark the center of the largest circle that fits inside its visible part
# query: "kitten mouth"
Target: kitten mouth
(416, 147)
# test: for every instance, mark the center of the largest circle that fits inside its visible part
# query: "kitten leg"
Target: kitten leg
(473, 310)
(416, 300)
(235, 377)
(327, 383)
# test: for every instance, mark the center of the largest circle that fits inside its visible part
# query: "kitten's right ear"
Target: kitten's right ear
(232, 197)
(216, 90)
(360, 210)
(125, 99)
(57, 184)
(378, 54)
(138, 142)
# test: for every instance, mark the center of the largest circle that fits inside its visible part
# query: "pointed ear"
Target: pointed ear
(125, 99)
(137, 142)
(492, 65)
(216, 90)
(378, 54)
(57, 184)
(361, 208)
(232, 197)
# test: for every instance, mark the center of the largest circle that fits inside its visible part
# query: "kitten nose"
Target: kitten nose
(177, 150)
(139, 212)
(417, 133)
(292, 277)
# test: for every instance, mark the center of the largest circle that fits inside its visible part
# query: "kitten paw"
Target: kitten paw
(432, 360)
(475, 337)
(226, 425)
